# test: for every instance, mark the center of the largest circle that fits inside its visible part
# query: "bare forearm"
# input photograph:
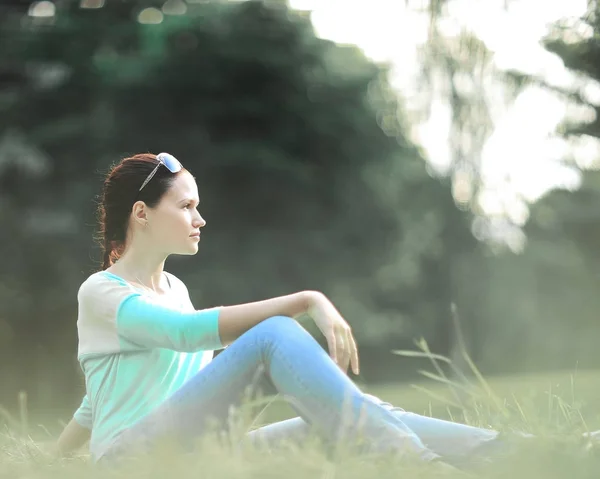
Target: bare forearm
(236, 320)
(72, 438)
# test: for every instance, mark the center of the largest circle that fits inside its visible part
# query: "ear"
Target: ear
(140, 213)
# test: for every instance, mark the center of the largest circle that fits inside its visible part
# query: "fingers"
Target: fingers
(350, 352)
(343, 352)
(346, 350)
(332, 345)
(340, 341)
(353, 354)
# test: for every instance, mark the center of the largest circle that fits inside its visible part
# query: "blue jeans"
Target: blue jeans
(450, 440)
(327, 401)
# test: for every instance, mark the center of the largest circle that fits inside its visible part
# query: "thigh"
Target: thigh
(205, 400)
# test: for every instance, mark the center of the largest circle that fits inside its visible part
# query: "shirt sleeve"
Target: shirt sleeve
(83, 414)
(152, 325)
(115, 317)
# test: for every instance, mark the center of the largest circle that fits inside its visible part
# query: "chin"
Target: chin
(192, 250)
(188, 249)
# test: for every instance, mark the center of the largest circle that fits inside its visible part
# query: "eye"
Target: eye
(187, 206)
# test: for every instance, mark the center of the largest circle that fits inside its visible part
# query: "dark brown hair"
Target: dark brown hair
(120, 191)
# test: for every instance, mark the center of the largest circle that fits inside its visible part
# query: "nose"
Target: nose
(199, 222)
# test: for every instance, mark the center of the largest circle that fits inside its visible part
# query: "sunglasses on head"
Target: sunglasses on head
(169, 161)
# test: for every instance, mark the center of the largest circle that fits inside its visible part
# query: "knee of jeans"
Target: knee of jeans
(278, 327)
(278, 323)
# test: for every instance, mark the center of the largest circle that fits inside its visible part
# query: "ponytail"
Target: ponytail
(107, 261)
(112, 251)
(110, 247)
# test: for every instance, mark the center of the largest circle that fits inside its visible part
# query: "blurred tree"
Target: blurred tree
(457, 75)
(572, 219)
(549, 293)
(307, 179)
(539, 305)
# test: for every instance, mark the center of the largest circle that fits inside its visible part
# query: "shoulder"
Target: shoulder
(103, 286)
(99, 298)
(99, 279)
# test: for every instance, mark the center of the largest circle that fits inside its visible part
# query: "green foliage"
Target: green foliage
(306, 177)
(549, 293)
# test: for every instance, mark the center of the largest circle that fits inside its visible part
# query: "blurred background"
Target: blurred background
(402, 156)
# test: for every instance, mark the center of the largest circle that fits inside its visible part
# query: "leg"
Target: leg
(446, 438)
(301, 371)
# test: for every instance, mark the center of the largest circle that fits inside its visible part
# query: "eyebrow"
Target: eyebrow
(189, 200)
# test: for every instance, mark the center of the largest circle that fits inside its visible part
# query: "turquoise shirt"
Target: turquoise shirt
(136, 349)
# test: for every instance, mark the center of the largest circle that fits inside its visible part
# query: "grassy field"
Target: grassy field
(558, 408)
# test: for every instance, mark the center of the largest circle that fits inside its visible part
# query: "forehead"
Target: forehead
(183, 187)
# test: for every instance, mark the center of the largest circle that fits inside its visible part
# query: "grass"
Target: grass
(556, 407)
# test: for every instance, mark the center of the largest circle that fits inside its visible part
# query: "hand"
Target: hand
(340, 341)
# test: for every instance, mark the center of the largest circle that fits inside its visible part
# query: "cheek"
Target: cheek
(173, 225)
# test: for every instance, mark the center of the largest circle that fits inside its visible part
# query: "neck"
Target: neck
(142, 265)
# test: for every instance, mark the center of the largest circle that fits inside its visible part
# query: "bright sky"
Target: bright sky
(522, 148)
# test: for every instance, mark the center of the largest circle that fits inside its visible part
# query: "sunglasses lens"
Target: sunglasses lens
(170, 162)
